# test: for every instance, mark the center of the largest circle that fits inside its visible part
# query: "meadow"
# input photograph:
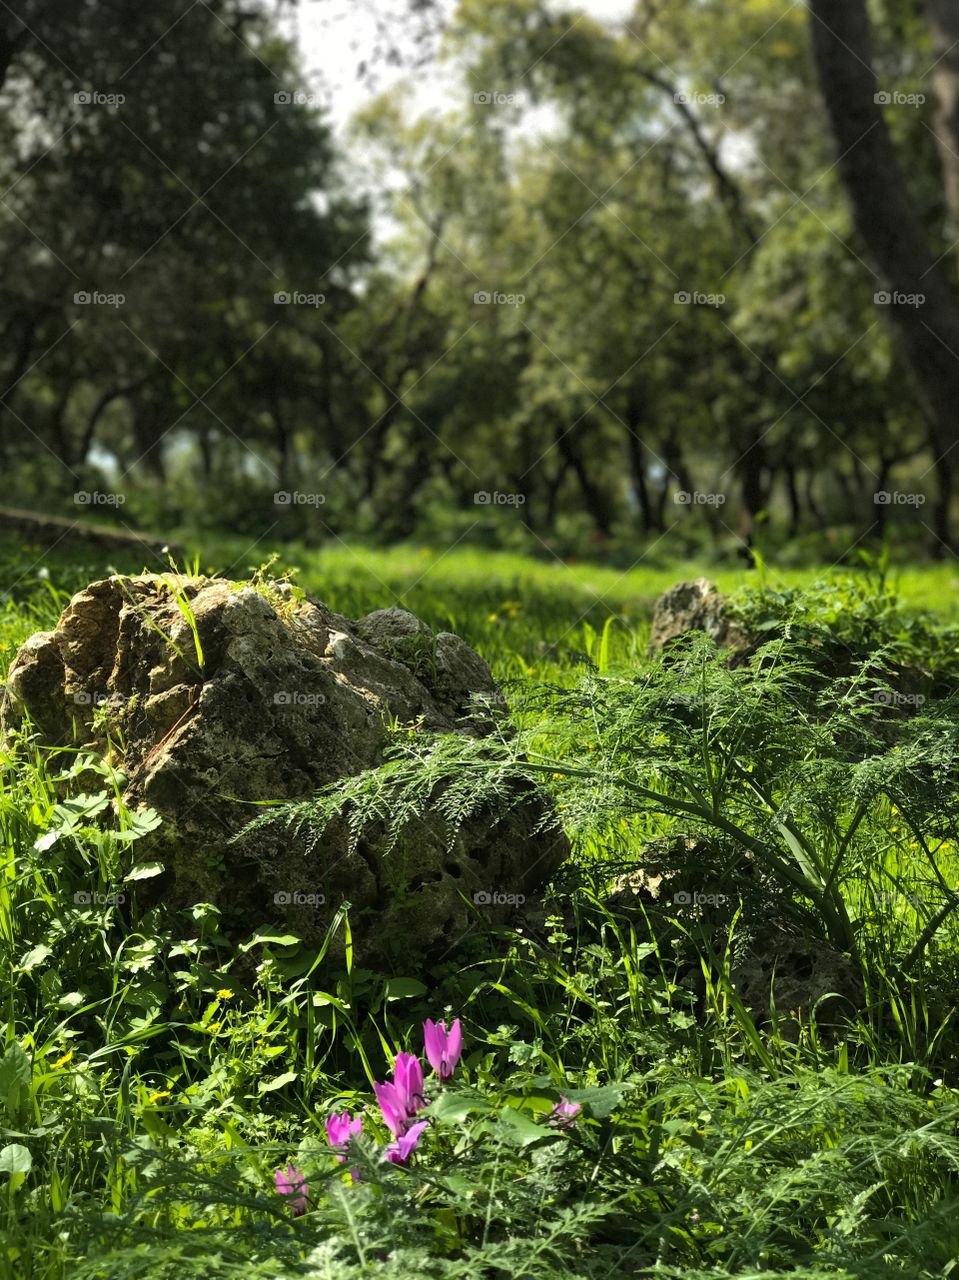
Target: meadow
(618, 1107)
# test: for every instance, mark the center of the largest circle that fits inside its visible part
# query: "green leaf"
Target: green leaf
(268, 1086)
(403, 988)
(520, 1129)
(144, 821)
(277, 939)
(601, 1101)
(15, 1159)
(321, 998)
(145, 871)
(34, 957)
(453, 1107)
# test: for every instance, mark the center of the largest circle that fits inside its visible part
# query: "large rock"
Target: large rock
(696, 605)
(212, 696)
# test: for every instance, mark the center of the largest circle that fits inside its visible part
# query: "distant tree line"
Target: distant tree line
(693, 274)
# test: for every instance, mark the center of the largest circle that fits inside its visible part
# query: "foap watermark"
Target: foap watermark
(294, 298)
(483, 298)
(483, 498)
(891, 698)
(297, 98)
(693, 298)
(94, 298)
(296, 898)
(889, 898)
(297, 698)
(896, 98)
(893, 298)
(687, 498)
(692, 898)
(88, 698)
(885, 498)
(284, 498)
(82, 898)
(496, 98)
(496, 898)
(94, 498)
(699, 99)
(94, 98)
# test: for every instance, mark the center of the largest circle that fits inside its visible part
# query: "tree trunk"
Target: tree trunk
(637, 464)
(941, 525)
(792, 496)
(885, 216)
(751, 468)
(812, 506)
(594, 499)
(944, 21)
(13, 36)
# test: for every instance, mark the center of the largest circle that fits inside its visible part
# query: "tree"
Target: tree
(887, 220)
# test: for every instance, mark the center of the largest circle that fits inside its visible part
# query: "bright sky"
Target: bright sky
(336, 35)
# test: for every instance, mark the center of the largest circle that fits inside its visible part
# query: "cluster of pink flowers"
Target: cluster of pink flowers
(400, 1099)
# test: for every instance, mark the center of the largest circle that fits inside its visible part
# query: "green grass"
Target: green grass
(154, 1075)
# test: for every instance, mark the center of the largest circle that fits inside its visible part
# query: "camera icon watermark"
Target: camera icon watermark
(895, 98)
(88, 698)
(295, 298)
(494, 898)
(891, 698)
(893, 298)
(485, 298)
(93, 98)
(284, 498)
(694, 298)
(699, 99)
(84, 898)
(295, 898)
(885, 498)
(686, 898)
(687, 498)
(495, 98)
(86, 498)
(297, 698)
(296, 98)
(484, 498)
(93, 298)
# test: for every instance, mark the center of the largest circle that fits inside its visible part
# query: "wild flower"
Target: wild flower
(400, 1151)
(401, 1098)
(291, 1182)
(564, 1113)
(443, 1049)
(340, 1129)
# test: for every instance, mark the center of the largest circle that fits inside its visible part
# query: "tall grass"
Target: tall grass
(154, 1074)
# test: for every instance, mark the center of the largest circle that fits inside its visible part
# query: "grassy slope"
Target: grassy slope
(161, 1104)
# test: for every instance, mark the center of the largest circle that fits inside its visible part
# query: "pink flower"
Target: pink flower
(339, 1131)
(292, 1182)
(400, 1151)
(402, 1097)
(395, 1115)
(408, 1080)
(443, 1049)
(564, 1113)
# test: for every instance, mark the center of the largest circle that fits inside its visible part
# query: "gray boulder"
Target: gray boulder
(215, 697)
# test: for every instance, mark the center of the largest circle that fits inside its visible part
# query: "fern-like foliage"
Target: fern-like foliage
(795, 769)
